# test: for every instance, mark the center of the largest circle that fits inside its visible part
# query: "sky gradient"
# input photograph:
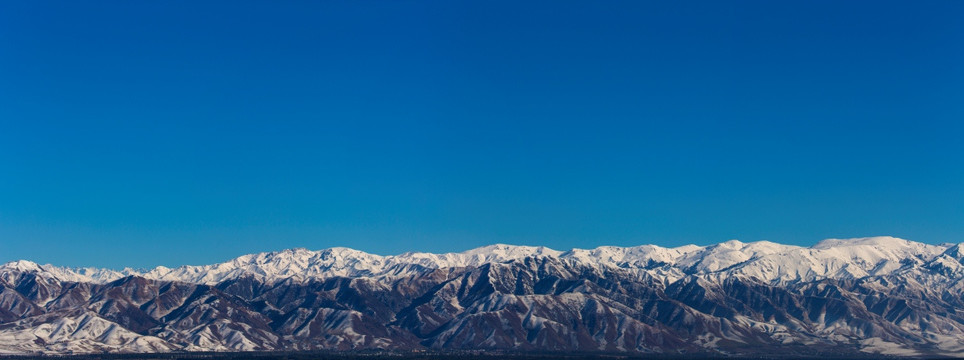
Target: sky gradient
(168, 133)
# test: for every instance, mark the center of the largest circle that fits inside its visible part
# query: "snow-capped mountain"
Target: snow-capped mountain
(877, 294)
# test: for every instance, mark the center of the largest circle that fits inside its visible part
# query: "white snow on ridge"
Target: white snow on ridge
(768, 261)
(89, 274)
(78, 332)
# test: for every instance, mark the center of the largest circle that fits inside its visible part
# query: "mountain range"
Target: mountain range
(843, 297)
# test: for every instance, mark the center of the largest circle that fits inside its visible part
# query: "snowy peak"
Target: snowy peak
(22, 266)
(883, 246)
(831, 258)
(874, 241)
(636, 256)
(299, 264)
(874, 250)
(64, 274)
(765, 260)
(955, 252)
(505, 252)
(478, 256)
(303, 264)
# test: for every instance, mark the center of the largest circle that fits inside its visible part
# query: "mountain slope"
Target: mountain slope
(877, 295)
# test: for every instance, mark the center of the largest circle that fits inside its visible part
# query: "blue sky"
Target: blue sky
(166, 133)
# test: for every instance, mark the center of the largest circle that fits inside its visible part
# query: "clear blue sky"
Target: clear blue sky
(143, 133)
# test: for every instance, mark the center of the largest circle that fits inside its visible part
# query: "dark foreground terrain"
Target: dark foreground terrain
(427, 355)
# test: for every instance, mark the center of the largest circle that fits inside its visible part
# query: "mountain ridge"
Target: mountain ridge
(352, 262)
(864, 295)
